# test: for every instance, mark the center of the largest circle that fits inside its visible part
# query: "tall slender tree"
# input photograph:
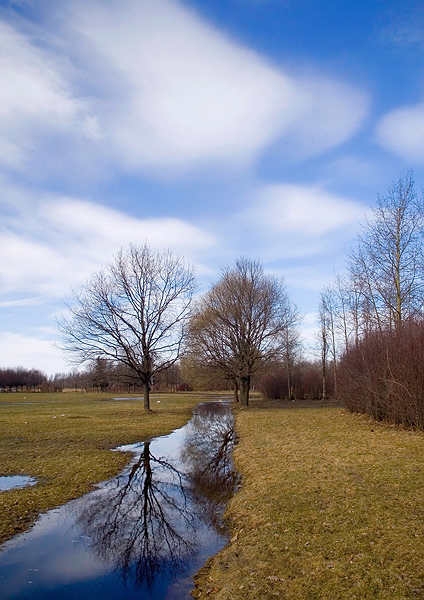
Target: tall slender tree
(387, 267)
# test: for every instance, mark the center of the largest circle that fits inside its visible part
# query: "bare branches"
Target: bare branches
(387, 266)
(133, 312)
(239, 324)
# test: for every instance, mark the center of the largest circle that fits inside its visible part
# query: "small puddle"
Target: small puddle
(10, 482)
(143, 534)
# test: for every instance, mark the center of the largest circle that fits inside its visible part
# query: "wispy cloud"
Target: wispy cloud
(193, 95)
(151, 86)
(22, 350)
(72, 238)
(36, 99)
(302, 209)
(402, 132)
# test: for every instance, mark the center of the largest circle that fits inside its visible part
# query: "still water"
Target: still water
(10, 482)
(143, 534)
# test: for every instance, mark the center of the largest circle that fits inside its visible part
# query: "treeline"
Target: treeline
(305, 384)
(372, 319)
(99, 376)
(103, 376)
(20, 379)
(273, 381)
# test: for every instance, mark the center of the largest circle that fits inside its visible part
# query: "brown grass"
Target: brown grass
(331, 507)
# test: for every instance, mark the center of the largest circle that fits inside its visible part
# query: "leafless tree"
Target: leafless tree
(290, 342)
(324, 340)
(387, 267)
(239, 323)
(133, 312)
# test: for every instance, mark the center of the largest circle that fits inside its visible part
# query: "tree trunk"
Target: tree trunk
(289, 381)
(236, 391)
(244, 390)
(146, 395)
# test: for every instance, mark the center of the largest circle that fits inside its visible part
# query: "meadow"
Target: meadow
(331, 504)
(331, 508)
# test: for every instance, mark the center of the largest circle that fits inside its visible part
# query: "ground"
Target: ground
(331, 507)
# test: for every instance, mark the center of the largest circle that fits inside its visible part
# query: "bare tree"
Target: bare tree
(133, 312)
(238, 325)
(387, 266)
(290, 342)
(324, 343)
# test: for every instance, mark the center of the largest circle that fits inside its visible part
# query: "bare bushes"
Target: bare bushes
(383, 375)
(305, 382)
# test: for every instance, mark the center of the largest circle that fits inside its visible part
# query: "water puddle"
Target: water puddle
(143, 534)
(10, 482)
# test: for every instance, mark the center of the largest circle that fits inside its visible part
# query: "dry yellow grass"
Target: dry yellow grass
(64, 440)
(331, 507)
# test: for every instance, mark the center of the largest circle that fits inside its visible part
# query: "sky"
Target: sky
(214, 128)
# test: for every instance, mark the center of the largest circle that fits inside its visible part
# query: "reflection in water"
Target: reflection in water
(207, 455)
(142, 534)
(142, 522)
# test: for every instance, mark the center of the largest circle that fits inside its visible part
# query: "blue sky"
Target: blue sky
(215, 128)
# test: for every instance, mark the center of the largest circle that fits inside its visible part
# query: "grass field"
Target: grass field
(64, 440)
(331, 508)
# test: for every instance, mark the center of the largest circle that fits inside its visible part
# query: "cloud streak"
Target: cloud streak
(302, 209)
(36, 100)
(402, 132)
(72, 238)
(144, 85)
(193, 95)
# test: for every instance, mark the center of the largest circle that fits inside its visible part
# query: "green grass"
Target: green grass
(331, 507)
(64, 440)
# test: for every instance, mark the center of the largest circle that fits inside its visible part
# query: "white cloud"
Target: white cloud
(302, 209)
(150, 85)
(35, 97)
(29, 266)
(69, 239)
(402, 131)
(190, 94)
(30, 352)
(33, 301)
(330, 113)
(103, 228)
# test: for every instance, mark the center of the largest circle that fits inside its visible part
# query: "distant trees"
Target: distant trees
(19, 378)
(306, 381)
(134, 313)
(241, 324)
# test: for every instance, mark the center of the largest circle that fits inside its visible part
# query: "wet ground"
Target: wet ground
(143, 534)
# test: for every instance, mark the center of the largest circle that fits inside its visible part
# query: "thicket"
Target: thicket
(305, 382)
(383, 375)
(372, 319)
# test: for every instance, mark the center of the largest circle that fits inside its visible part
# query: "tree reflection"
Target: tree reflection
(207, 455)
(148, 523)
(141, 521)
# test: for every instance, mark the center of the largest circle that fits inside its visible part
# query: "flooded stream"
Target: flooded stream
(143, 534)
